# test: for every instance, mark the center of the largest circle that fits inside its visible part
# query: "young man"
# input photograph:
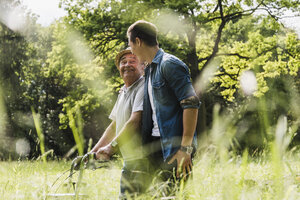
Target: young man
(170, 104)
(124, 130)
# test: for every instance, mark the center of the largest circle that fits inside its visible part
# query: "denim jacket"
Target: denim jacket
(171, 84)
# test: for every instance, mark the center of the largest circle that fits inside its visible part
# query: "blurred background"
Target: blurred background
(58, 79)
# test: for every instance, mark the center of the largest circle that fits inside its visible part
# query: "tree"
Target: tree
(14, 52)
(69, 66)
(227, 36)
(78, 87)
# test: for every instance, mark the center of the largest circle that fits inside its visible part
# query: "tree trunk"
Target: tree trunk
(192, 58)
(192, 62)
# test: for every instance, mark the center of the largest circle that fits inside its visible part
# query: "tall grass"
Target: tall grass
(40, 134)
(75, 124)
(239, 178)
(34, 180)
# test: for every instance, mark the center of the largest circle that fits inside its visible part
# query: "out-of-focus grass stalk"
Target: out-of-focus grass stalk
(181, 190)
(277, 171)
(244, 168)
(218, 134)
(2, 114)
(76, 130)
(222, 135)
(277, 151)
(264, 119)
(90, 147)
(78, 136)
(40, 134)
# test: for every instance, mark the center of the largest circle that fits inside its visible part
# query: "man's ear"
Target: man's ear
(138, 41)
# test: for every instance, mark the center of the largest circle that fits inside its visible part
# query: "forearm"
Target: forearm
(126, 134)
(190, 116)
(107, 137)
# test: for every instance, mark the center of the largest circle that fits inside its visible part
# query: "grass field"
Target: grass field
(232, 177)
(34, 180)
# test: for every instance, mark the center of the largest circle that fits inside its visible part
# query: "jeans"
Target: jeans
(164, 174)
(135, 178)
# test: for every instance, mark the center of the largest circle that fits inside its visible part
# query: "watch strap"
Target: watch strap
(114, 145)
(187, 149)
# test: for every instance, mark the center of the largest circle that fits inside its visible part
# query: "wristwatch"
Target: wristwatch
(187, 149)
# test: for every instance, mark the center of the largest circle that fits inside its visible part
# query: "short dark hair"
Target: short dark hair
(144, 30)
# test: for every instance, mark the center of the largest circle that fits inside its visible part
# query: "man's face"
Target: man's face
(129, 67)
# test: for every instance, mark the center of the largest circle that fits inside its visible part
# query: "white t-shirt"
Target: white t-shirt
(130, 100)
(155, 129)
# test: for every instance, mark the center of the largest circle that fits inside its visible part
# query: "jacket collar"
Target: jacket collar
(157, 58)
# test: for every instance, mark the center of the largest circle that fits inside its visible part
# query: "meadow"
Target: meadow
(267, 176)
(61, 80)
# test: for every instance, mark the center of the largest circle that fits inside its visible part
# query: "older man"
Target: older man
(123, 131)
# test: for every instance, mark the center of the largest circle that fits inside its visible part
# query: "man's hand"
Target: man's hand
(184, 164)
(104, 153)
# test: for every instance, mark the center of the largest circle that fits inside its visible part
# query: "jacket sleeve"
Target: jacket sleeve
(178, 78)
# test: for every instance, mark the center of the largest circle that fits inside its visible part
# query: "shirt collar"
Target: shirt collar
(158, 56)
(126, 89)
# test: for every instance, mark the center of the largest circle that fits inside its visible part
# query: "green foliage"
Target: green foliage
(50, 70)
(78, 74)
(68, 67)
(14, 52)
(238, 33)
(269, 57)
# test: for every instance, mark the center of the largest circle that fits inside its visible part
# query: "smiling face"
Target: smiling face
(130, 69)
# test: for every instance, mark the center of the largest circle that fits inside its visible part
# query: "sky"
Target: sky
(48, 11)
